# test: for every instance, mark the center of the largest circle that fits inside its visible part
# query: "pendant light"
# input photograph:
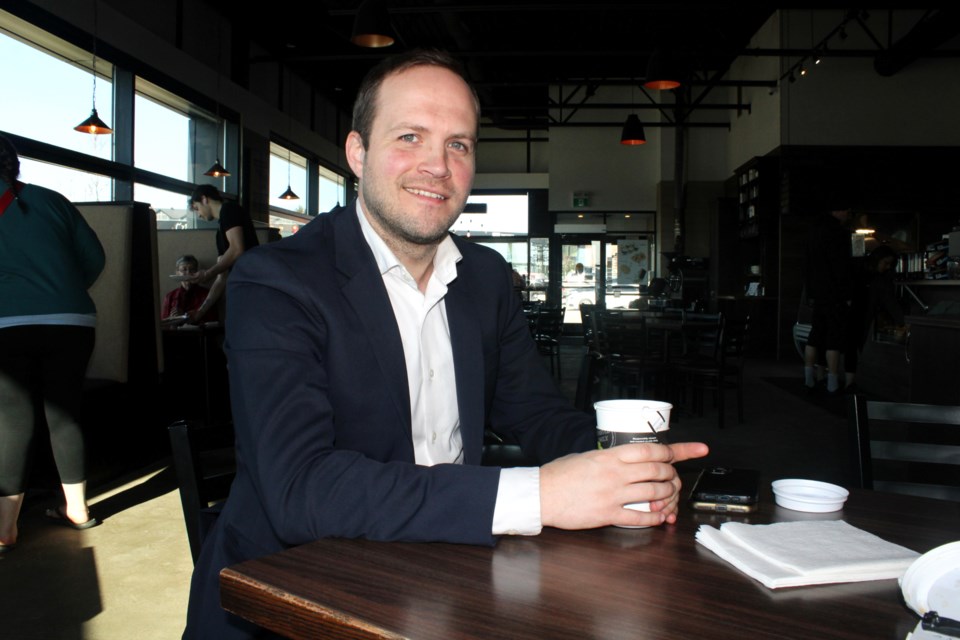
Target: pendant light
(218, 170)
(371, 28)
(632, 133)
(289, 194)
(662, 72)
(93, 124)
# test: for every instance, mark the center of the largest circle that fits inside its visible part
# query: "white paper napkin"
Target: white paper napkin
(792, 554)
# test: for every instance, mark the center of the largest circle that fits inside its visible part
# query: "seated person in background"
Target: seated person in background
(188, 296)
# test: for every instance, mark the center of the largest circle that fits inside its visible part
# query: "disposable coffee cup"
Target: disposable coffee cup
(629, 422)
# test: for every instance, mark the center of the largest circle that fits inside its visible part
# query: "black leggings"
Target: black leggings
(42, 365)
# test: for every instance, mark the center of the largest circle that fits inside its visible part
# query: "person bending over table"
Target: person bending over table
(235, 235)
(369, 351)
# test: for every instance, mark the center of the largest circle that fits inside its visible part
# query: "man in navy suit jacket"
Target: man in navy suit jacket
(330, 426)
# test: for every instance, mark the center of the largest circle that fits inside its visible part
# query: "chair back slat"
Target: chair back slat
(906, 447)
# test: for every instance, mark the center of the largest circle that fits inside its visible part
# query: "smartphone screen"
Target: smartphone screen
(725, 486)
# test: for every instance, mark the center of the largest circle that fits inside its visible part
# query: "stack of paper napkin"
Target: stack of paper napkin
(792, 554)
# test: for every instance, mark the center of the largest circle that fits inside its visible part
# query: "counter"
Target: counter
(923, 367)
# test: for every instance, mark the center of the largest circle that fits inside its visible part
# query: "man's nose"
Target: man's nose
(436, 161)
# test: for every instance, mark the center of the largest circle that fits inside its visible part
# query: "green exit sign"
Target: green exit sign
(581, 200)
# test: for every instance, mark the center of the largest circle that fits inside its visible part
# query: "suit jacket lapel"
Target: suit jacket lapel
(468, 364)
(362, 286)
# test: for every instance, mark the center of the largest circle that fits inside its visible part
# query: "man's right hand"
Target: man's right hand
(588, 490)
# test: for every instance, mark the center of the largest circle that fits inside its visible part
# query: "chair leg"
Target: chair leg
(720, 405)
(740, 398)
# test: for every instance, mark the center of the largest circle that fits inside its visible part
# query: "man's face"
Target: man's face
(417, 170)
(202, 208)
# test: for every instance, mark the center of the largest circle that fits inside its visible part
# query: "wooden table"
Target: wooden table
(604, 583)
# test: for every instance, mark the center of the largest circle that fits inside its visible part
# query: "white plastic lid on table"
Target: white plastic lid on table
(809, 495)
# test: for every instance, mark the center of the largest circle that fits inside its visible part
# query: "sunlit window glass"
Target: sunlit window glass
(170, 207)
(161, 139)
(495, 216)
(76, 186)
(332, 190)
(287, 224)
(287, 169)
(47, 95)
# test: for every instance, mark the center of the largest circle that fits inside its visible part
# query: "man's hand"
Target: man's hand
(202, 277)
(587, 490)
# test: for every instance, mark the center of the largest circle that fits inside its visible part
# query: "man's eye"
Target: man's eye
(409, 137)
(460, 146)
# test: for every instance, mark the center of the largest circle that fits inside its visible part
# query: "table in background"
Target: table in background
(603, 583)
(195, 372)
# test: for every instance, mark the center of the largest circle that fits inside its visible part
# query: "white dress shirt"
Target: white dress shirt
(431, 377)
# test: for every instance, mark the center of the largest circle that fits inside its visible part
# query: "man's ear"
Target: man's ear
(355, 153)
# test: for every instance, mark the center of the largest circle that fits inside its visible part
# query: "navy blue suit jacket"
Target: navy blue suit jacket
(322, 413)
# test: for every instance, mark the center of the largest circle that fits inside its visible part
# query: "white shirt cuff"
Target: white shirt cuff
(517, 511)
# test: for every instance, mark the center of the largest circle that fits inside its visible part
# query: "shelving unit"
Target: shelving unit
(758, 183)
(750, 278)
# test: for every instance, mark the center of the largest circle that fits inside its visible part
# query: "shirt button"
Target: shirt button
(434, 439)
(431, 374)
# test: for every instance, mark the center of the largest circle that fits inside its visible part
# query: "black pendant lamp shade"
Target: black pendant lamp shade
(662, 72)
(289, 194)
(372, 25)
(93, 125)
(633, 131)
(217, 170)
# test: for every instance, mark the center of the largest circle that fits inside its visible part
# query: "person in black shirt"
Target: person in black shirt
(828, 285)
(234, 236)
(872, 294)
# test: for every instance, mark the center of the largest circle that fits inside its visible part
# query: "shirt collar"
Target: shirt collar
(444, 262)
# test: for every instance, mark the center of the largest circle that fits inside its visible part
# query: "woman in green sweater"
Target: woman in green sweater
(49, 257)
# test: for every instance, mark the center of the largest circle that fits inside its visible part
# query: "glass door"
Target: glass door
(602, 270)
(582, 263)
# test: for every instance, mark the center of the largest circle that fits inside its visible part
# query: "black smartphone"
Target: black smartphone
(726, 489)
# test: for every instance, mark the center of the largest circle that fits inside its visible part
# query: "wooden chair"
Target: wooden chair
(204, 460)
(721, 373)
(906, 448)
(588, 381)
(547, 337)
(633, 359)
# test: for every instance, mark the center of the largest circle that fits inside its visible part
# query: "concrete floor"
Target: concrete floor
(129, 577)
(126, 579)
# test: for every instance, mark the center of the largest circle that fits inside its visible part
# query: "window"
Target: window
(287, 169)
(48, 89)
(171, 207)
(161, 134)
(498, 216)
(177, 139)
(332, 189)
(74, 185)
